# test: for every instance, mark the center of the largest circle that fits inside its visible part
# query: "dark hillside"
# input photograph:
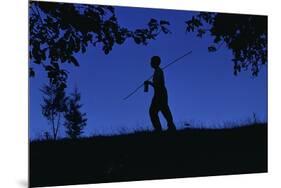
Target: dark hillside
(146, 155)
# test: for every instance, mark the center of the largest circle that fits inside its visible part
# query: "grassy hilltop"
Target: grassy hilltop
(148, 155)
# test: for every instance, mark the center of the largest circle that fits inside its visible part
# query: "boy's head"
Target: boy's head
(155, 62)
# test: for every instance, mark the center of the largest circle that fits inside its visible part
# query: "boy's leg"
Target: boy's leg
(168, 116)
(153, 112)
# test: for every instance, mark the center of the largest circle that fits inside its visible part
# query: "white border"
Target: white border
(14, 84)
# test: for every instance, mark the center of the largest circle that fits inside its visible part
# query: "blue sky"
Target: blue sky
(201, 87)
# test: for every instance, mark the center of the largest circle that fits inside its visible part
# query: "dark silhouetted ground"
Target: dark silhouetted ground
(146, 155)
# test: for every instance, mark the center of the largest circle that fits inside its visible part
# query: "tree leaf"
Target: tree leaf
(74, 61)
(212, 49)
(31, 72)
(164, 22)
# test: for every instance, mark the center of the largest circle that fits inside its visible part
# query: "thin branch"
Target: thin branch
(219, 46)
(58, 123)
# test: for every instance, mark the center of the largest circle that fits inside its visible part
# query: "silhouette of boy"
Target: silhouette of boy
(160, 98)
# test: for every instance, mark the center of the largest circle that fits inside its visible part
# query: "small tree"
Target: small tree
(54, 104)
(75, 121)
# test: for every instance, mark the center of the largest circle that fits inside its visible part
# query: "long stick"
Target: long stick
(134, 91)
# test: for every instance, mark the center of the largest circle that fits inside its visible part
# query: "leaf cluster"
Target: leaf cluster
(244, 35)
(60, 30)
